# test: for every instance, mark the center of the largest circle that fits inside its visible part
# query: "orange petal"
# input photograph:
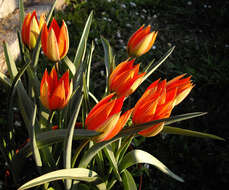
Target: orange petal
(52, 47)
(63, 40)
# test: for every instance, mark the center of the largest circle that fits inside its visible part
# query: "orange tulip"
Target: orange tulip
(55, 41)
(183, 86)
(125, 79)
(141, 41)
(31, 29)
(105, 117)
(158, 101)
(54, 93)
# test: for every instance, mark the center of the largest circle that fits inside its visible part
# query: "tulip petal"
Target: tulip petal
(34, 32)
(120, 124)
(63, 40)
(25, 29)
(107, 127)
(44, 38)
(52, 47)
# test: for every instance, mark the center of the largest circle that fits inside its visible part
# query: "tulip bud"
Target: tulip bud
(55, 41)
(54, 93)
(125, 79)
(31, 29)
(141, 41)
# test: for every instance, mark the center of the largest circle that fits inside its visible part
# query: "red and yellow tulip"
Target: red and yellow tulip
(158, 101)
(55, 41)
(141, 41)
(31, 29)
(105, 117)
(125, 79)
(54, 93)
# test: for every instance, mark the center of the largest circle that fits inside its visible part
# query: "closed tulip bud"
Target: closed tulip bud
(31, 29)
(54, 93)
(141, 41)
(125, 78)
(55, 41)
(105, 117)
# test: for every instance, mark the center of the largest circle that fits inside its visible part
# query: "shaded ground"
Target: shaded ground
(198, 29)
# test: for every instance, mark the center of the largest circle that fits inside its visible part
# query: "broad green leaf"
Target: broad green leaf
(139, 156)
(157, 64)
(172, 119)
(69, 138)
(80, 174)
(83, 41)
(128, 181)
(48, 138)
(185, 132)
(112, 160)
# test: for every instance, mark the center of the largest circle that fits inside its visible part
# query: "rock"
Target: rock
(9, 25)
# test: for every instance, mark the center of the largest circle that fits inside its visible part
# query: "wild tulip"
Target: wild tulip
(105, 117)
(55, 41)
(31, 29)
(154, 104)
(125, 78)
(158, 101)
(54, 93)
(141, 41)
(183, 86)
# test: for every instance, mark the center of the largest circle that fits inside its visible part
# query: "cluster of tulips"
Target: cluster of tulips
(50, 107)
(156, 103)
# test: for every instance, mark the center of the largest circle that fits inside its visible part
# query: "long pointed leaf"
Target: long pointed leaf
(157, 64)
(140, 156)
(185, 132)
(81, 47)
(80, 174)
(128, 181)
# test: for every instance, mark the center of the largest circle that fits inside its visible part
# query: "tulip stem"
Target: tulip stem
(51, 115)
(60, 118)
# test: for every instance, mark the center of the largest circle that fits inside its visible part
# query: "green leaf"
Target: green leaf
(83, 41)
(135, 129)
(108, 59)
(69, 139)
(112, 160)
(128, 181)
(185, 132)
(22, 13)
(157, 64)
(89, 64)
(48, 138)
(70, 65)
(90, 153)
(11, 66)
(80, 174)
(140, 156)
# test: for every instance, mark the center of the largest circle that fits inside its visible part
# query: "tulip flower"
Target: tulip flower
(125, 79)
(31, 29)
(183, 86)
(141, 41)
(158, 101)
(54, 93)
(105, 117)
(55, 41)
